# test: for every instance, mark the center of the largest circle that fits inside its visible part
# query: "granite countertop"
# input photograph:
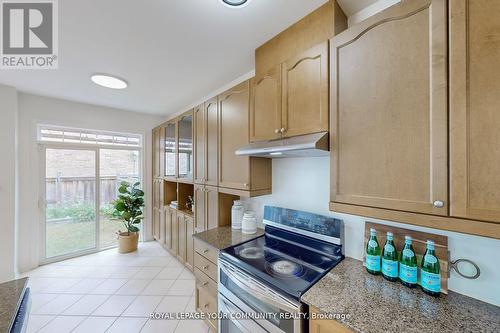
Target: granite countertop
(372, 304)
(224, 237)
(11, 294)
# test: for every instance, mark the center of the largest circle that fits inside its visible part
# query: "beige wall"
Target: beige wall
(8, 174)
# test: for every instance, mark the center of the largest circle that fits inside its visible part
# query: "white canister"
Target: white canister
(237, 214)
(249, 223)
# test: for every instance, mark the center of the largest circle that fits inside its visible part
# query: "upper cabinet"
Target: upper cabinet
(474, 115)
(170, 164)
(157, 152)
(199, 144)
(265, 116)
(389, 110)
(304, 81)
(185, 147)
(248, 174)
(292, 98)
(211, 142)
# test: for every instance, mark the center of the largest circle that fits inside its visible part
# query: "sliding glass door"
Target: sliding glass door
(70, 197)
(79, 186)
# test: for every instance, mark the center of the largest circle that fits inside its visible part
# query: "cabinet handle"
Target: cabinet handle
(205, 306)
(282, 130)
(205, 268)
(246, 185)
(438, 204)
(205, 284)
(206, 251)
(276, 131)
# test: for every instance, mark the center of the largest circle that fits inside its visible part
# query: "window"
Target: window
(90, 137)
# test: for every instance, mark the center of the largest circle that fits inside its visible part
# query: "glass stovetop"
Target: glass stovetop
(287, 265)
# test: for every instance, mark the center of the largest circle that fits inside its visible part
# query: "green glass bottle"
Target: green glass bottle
(408, 265)
(372, 261)
(430, 276)
(390, 259)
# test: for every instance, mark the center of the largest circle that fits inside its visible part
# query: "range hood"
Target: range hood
(299, 146)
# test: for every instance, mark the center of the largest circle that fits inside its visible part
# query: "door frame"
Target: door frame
(42, 148)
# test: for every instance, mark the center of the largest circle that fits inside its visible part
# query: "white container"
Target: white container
(249, 223)
(237, 214)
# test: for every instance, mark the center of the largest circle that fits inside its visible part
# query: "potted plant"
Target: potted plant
(128, 208)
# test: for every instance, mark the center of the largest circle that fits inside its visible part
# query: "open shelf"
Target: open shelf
(184, 191)
(170, 192)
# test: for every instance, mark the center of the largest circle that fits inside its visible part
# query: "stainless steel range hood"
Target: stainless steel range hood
(299, 146)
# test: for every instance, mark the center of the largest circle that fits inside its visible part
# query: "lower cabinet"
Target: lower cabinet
(175, 235)
(189, 221)
(181, 229)
(168, 213)
(205, 270)
(325, 325)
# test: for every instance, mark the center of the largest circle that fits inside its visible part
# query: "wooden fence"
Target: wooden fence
(70, 190)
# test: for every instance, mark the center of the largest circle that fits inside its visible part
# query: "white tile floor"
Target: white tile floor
(112, 292)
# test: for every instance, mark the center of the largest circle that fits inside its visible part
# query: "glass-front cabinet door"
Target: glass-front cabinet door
(170, 150)
(185, 125)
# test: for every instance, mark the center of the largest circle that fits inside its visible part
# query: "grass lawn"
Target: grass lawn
(68, 237)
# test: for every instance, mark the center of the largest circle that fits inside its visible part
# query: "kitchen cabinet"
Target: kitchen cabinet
(305, 92)
(265, 114)
(199, 212)
(157, 202)
(156, 152)
(211, 207)
(389, 121)
(175, 233)
(199, 144)
(212, 142)
(169, 217)
(170, 165)
(324, 325)
(181, 229)
(248, 174)
(189, 221)
(474, 116)
(185, 148)
(292, 98)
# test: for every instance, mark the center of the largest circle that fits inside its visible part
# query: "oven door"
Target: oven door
(234, 321)
(243, 294)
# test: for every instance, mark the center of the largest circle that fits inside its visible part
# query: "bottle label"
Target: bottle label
(372, 243)
(430, 281)
(389, 248)
(373, 262)
(408, 253)
(430, 259)
(407, 273)
(390, 267)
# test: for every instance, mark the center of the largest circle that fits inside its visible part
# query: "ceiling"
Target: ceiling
(172, 52)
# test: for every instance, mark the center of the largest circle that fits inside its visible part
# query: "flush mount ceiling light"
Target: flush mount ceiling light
(235, 3)
(109, 81)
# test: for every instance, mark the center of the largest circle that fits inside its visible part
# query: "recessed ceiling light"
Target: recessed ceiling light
(109, 81)
(235, 3)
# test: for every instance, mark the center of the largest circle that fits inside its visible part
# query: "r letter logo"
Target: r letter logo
(29, 34)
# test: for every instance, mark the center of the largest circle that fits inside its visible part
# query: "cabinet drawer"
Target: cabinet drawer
(205, 266)
(205, 282)
(206, 250)
(206, 303)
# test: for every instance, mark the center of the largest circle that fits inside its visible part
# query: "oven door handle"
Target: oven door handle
(228, 308)
(258, 292)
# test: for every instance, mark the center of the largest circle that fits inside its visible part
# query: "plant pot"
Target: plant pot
(127, 242)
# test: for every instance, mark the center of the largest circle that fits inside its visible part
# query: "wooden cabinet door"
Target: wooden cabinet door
(175, 233)
(163, 226)
(265, 106)
(474, 114)
(389, 110)
(168, 228)
(211, 207)
(156, 153)
(189, 242)
(181, 229)
(234, 171)
(305, 106)
(324, 325)
(199, 208)
(199, 144)
(212, 143)
(185, 147)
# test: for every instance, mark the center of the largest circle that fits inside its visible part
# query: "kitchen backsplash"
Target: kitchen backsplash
(304, 184)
